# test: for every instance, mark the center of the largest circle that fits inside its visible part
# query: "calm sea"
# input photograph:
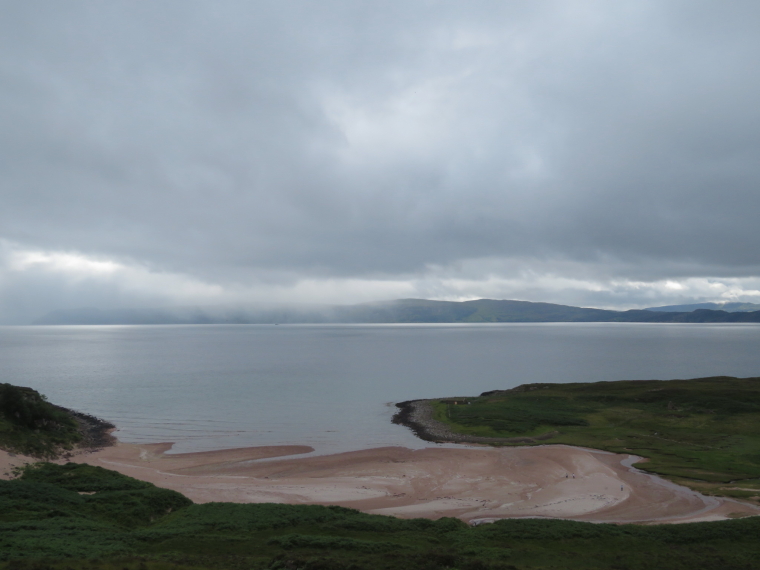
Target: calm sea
(332, 386)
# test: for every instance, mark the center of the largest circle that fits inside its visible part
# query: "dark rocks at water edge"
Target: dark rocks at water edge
(95, 432)
(417, 415)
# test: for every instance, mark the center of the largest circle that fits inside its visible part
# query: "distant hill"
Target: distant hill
(399, 311)
(728, 307)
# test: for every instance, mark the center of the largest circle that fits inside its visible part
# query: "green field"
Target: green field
(78, 516)
(704, 433)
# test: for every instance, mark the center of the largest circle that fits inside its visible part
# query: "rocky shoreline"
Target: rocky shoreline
(96, 433)
(417, 415)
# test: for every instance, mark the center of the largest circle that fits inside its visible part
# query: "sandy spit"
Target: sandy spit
(475, 484)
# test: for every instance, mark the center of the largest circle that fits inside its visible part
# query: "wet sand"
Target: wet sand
(475, 484)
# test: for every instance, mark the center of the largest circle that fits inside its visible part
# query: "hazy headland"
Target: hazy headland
(407, 311)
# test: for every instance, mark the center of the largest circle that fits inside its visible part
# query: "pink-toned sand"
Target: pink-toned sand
(473, 483)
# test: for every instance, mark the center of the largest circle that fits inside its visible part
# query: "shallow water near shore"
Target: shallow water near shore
(332, 386)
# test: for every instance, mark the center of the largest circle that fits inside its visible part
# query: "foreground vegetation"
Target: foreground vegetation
(80, 516)
(704, 433)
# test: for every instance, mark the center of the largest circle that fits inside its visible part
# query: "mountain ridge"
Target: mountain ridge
(729, 307)
(397, 311)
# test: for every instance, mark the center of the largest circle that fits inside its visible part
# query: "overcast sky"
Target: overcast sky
(591, 153)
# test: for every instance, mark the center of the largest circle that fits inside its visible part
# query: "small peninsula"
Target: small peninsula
(702, 433)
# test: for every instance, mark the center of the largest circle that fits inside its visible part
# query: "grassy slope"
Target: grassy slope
(704, 433)
(129, 524)
(29, 424)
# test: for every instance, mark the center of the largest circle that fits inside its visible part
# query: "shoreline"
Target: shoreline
(474, 484)
(417, 415)
(96, 432)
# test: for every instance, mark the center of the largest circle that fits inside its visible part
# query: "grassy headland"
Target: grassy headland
(704, 433)
(31, 425)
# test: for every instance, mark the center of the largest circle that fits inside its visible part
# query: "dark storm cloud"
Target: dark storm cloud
(282, 141)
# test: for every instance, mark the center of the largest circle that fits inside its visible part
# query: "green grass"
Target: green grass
(47, 522)
(29, 424)
(703, 432)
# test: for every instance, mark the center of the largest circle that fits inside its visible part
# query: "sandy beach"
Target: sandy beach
(475, 484)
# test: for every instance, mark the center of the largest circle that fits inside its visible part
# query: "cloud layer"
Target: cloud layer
(584, 152)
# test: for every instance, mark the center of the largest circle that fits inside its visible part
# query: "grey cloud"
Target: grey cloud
(234, 141)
